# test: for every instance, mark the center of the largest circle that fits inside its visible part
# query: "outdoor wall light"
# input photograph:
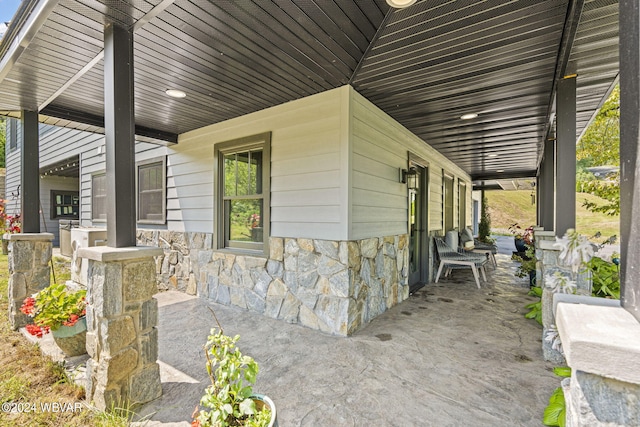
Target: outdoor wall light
(400, 4)
(409, 177)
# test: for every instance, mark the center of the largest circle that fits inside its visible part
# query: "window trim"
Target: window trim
(262, 141)
(447, 176)
(163, 161)
(93, 218)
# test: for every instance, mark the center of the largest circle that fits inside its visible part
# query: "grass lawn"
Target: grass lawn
(508, 207)
(29, 381)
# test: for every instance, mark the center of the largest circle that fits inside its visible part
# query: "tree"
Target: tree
(484, 228)
(600, 146)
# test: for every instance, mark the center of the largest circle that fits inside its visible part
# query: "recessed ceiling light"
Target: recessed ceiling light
(175, 93)
(500, 170)
(492, 155)
(469, 116)
(400, 4)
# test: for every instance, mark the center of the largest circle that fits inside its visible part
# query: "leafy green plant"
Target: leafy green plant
(606, 278)
(527, 262)
(535, 308)
(555, 412)
(229, 397)
(53, 307)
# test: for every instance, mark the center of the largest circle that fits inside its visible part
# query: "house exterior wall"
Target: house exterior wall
(309, 169)
(379, 148)
(338, 241)
(13, 167)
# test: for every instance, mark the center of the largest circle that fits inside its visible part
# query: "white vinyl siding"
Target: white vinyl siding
(308, 176)
(380, 147)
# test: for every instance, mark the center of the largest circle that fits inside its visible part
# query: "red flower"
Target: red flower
(73, 319)
(28, 307)
(36, 330)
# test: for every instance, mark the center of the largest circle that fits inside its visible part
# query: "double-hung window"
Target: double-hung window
(243, 193)
(151, 180)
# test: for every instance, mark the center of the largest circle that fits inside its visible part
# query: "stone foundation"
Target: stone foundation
(122, 315)
(332, 286)
(29, 271)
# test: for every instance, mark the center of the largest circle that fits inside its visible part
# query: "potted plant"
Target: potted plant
(230, 400)
(525, 252)
(522, 238)
(62, 312)
(528, 261)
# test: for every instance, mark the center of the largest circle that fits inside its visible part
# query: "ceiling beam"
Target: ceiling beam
(98, 121)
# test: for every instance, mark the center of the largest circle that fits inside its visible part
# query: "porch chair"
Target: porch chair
(450, 258)
(489, 250)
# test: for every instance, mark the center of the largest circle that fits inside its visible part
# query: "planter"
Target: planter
(261, 400)
(521, 246)
(72, 339)
(532, 278)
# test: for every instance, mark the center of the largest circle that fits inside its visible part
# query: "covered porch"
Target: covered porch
(449, 355)
(490, 89)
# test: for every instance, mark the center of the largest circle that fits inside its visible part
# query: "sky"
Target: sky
(8, 9)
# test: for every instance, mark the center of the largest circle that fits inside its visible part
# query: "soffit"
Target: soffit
(425, 66)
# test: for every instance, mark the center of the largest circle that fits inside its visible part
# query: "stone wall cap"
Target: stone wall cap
(108, 254)
(592, 334)
(582, 299)
(548, 245)
(28, 236)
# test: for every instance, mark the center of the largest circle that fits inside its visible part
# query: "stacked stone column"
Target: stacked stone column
(29, 270)
(122, 315)
(548, 264)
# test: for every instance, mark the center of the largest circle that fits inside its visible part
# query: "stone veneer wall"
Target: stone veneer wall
(333, 286)
(29, 271)
(548, 264)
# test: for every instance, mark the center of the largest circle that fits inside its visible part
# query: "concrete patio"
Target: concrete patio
(450, 355)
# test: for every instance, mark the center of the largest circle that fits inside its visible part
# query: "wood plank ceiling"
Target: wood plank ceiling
(425, 66)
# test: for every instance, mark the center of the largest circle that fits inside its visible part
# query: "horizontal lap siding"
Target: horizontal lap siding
(380, 148)
(12, 163)
(306, 173)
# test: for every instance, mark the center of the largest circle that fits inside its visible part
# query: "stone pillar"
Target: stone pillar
(122, 315)
(549, 264)
(604, 356)
(29, 270)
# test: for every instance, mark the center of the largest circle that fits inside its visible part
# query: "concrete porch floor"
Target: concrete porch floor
(451, 355)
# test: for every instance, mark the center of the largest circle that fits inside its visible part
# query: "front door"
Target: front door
(418, 249)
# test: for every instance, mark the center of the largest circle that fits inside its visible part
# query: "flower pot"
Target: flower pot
(261, 400)
(520, 245)
(72, 340)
